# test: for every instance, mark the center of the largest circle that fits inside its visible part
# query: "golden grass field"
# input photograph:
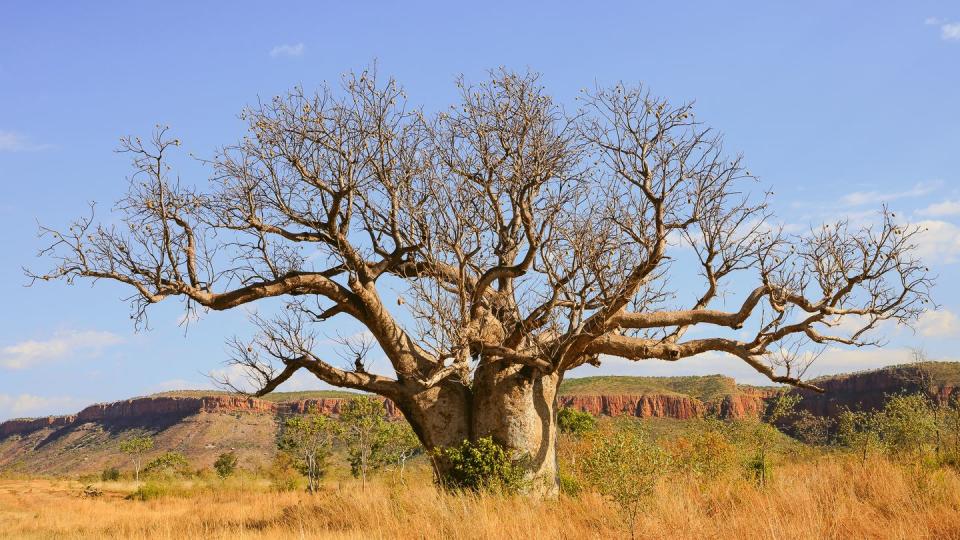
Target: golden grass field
(833, 496)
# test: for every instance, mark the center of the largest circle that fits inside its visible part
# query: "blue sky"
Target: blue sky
(838, 106)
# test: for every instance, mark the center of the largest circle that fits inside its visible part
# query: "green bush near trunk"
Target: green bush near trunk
(481, 465)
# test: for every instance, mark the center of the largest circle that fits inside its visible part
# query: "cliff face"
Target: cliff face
(748, 404)
(21, 426)
(657, 406)
(144, 411)
(739, 406)
(869, 390)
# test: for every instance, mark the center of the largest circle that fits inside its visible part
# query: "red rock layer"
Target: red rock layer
(29, 425)
(643, 406)
(140, 409)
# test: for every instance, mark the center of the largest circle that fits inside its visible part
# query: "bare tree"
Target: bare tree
(525, 241)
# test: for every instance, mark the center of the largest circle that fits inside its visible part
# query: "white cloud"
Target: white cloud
(178, 384)
(939, 323)
(860, 198)
(30, 405)
(28, 353)
(287, 50)
(950, 31)
(941, 209)
(15, 142)
(938, 241)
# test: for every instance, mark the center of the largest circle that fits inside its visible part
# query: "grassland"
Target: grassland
(829, 497)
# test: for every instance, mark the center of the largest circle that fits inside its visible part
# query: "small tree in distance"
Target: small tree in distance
(226, 464)
(137, 447)
(624, 466)
(362, 424)
(308, 440)
(398, 444)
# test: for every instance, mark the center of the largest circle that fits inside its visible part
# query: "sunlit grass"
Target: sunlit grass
(833, 496)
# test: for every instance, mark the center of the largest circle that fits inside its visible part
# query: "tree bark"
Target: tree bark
(517, 407)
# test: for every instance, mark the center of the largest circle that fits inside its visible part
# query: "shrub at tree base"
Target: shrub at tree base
(482, 465)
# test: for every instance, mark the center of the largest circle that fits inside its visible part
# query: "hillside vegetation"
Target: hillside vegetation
(704, 388)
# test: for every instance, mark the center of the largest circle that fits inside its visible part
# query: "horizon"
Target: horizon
(843, 109)
(204, 392)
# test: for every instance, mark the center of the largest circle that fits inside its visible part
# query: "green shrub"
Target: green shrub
(148, 491)
(569, 485)
(225, 464)
(168, 464)
(704, 455)
(624, 466)
(483, 465)
(283, 473)
(110, 474)
(575, 422)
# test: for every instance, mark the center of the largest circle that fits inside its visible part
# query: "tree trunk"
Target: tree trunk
(515, 406)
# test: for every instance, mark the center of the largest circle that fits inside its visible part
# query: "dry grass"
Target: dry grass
(833, 497)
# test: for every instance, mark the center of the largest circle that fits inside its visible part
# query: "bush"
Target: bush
(704, 455)
(148, 491)
(575, 422)
(624, 466)
(283, 473)
(168, 464)
(482, 465)
(569, 485)
(110, 474)
(225, 464)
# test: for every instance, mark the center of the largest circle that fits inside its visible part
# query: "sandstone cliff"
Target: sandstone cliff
(869, 390)
(146, 410)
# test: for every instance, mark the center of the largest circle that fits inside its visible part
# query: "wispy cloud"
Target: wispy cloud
(941, 209)
(860, 198)
(949, 31)
(87, 343)
(939, 323)
(12, 406)
(179, 384)
(938, 241)
(287, 50)
(11, 141)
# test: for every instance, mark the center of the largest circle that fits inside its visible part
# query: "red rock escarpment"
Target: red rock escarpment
(733, 406)
(869, 390)
(20, 426)
(132, 411)
(643, 406)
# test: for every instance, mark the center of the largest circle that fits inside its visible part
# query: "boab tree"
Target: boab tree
(525, 241)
